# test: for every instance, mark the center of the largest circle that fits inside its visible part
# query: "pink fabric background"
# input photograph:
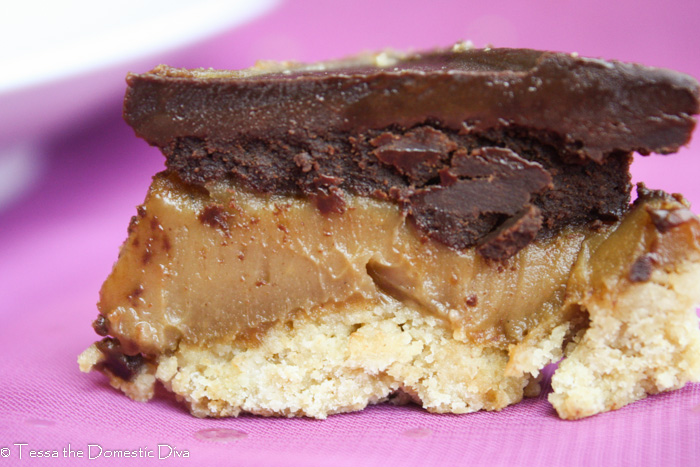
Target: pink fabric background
(58, 242)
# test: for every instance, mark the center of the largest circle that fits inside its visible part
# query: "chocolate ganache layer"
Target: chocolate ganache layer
(481, 147)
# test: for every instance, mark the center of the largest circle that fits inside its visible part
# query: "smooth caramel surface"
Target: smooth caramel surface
(205, 265)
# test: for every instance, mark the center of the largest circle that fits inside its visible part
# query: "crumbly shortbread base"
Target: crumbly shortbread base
(642, 340)
(140, 388)
(341, 362)
(328, 362)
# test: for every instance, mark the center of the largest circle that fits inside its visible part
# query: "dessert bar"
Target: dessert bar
(432, 227)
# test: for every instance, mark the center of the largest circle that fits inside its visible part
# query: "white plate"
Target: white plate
(62, 58)
(45, 40)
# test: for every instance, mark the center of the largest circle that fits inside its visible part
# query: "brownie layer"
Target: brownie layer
(493, 147)
(458, 188)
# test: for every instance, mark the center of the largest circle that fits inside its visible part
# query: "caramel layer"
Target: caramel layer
(202, 265)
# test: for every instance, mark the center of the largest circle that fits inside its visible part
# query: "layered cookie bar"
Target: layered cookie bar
(434, 227)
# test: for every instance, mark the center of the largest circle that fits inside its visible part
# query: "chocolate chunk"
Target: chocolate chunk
(417, 154)
(121, 365)
(100, 326)
(214, 215)
(327, 196)
(664, 220)
(488, 183)
(641, 269)
(511, 236)
(326, 181)
(499, 163)
(329, 199)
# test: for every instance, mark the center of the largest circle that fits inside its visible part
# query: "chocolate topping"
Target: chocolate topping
(597, 106)
(425, 131)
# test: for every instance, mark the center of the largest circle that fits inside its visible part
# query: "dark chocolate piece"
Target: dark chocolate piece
(215, 216)
(411, 131)
(641, 269)
(121, 365)
(418, 154)
(100, 326)
(488, 183)
(664, 220)
(512, 235)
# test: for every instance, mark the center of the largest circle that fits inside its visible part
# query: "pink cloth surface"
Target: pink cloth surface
(58, 243)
